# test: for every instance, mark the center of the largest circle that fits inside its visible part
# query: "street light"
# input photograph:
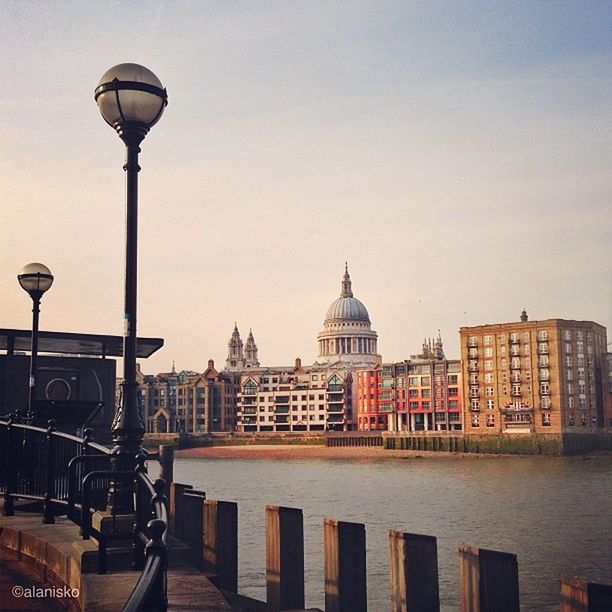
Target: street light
(131, 100)
(35, 278)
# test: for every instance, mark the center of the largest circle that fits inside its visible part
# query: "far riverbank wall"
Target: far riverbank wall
(503, 444)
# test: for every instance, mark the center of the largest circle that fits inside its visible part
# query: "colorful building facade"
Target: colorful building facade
(422, 393)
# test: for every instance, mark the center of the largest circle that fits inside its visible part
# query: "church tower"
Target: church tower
(250, 351)
(235, 354)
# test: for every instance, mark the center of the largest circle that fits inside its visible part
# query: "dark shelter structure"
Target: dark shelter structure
(76, 377)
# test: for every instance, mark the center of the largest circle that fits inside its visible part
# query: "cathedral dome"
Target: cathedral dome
(347, 308)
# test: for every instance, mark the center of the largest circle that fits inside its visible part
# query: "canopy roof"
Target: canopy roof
(66, 343)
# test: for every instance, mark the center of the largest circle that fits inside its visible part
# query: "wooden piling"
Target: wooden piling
(284, 558)
(488, 580)
(345, 566)
(413, 561)
(176, 509)
(192, 528)
(220, 552)
(578, 595)
(166, 462)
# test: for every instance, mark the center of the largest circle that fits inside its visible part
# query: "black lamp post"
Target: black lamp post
(35, 278)
(131, 100)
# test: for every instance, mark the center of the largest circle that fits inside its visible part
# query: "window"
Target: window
(488, 339)
(568, 361)
(475, 420)
(489, 391)
(425, 381)
(473, 352)
(567, 335)
(425, 392)
(453, 404)
(570, 388)
(544, 388)
(488, 377)
(542, 335)
(426, 405)
(490, 404)
(490, 420)
(472, 341)
(546, 419)
(414, 405)
(488, 352)
(413, 381)
(452, 379)
(475, 404)
(545, 403)
(502, 350)
(568, 347)
(413, 393)
(488, 365)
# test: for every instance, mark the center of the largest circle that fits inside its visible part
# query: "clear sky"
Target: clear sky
(457, 154)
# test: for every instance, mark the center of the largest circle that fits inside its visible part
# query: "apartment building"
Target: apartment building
(422, 393)
(189, 401)
(534, 377)
(283, 399)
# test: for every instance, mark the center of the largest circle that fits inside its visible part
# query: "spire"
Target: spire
(347, 290)
(250, 351)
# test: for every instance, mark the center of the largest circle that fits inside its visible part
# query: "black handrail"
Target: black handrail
(150, 592)
(61, 469)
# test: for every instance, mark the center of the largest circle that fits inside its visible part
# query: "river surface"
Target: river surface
(554, 513)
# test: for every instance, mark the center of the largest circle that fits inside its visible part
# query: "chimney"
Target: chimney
(211, 363)
(524, 316)
(298, 363)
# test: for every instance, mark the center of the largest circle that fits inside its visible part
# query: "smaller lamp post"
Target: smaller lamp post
(35, 278)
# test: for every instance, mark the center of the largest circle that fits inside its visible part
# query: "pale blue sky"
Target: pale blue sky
(457, 154)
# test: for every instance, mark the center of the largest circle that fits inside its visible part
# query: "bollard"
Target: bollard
(414, 572)
(284, 558)
(220, 551)
(166, 462)
(345, 566)
(488, 580)
(578, 595)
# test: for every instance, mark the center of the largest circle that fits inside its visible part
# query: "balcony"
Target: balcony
(473, 367)
(281, 410)
(472, 343)
(542, 350)
(335, 408)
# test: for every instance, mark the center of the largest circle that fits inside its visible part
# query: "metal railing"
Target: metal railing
(71, 476)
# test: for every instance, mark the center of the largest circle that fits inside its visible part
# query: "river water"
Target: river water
(554, 513)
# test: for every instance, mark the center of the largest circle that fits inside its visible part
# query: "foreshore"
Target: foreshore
(286, 451)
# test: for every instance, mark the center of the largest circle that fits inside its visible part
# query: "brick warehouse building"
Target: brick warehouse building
(542, 377)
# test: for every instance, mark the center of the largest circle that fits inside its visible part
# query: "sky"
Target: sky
(456, 154)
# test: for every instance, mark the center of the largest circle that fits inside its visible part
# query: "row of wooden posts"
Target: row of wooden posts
(488, 579)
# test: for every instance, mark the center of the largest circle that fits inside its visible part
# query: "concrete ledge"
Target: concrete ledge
(62, 559)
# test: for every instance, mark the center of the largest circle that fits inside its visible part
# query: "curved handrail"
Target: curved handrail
(46, 464)
(149, 593)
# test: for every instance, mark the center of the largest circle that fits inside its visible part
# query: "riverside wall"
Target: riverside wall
(455, 442)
